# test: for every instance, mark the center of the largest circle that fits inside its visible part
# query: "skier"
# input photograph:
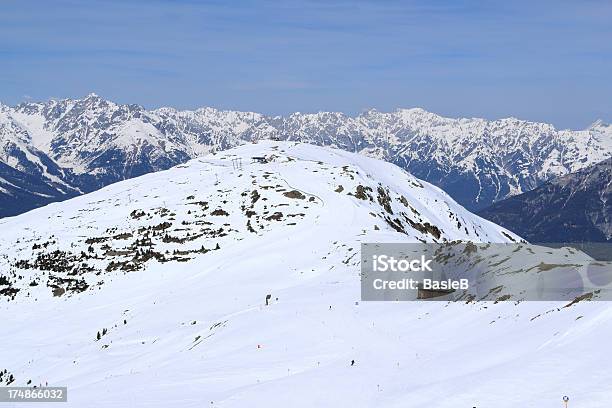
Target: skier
(352, 363)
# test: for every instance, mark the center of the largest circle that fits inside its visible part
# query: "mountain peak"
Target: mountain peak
(93, 99)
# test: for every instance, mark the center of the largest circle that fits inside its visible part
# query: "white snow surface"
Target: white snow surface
(196, 332)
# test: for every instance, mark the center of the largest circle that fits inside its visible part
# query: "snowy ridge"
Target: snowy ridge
(155, 287)
(245, 196)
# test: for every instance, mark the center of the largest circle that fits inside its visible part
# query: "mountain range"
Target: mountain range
(53, 150)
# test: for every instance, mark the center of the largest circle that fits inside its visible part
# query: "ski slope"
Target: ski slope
(176, 266)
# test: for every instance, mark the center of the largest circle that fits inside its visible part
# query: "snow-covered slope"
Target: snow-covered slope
(241, 193)
(475, 160)
(151, 292)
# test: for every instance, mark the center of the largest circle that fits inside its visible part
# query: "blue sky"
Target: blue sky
(539, 60)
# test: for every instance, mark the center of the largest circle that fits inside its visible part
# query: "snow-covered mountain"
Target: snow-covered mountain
(475, 160)
(573, 208)
(252, 190)
(28, 177)
(152, 291)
